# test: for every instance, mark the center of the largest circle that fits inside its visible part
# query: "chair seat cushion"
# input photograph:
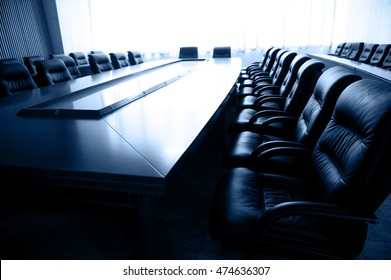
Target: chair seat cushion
(244, 91)
(241, 198)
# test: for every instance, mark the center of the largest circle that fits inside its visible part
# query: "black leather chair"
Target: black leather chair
(346, 50)
(274, 77)
(81, 62)
(338, 49)
(99, 62)
(15, 77)
(265, 65)
(387, 61)
(135, 57)
(355, 51)
(79, 58)
(272, 96)
(51, 71)
(256, 64)
(188, 52)
(294, 103)
(304, 129)
(324, 215)
(69, 63)
(221, 52)
(270, 63)
(119, 60)
(29, 62)
(367, 53)
(380, 54)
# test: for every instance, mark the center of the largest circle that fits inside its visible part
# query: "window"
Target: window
(155, 26)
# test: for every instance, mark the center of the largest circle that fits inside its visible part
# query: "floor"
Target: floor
(41, 229)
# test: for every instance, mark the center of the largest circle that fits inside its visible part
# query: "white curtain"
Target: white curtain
(162, 26)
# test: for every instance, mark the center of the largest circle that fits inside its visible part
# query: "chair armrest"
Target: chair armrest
(267, 98)
(261, 157)
(257, 84)
(258, 79)
(268, 87)
(315, 209)
(306, 208)
(266, 113)
(259, 73)
(275, 144)
(282, 119)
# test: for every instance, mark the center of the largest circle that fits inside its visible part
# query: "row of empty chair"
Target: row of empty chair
(192, 52)
(15, 77)
(36, 71)
(80, 59)
(57, 68)
(305, 166)
(378, 55)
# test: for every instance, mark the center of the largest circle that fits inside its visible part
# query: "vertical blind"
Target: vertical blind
(164, 26)
(23, 29)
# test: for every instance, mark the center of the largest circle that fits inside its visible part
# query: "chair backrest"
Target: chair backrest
(29, 61)
(276, 62)
(367, 53)
(52, 71)
(380, 54)
(270, 58)
(265, 58)
(387, 61)
(15, 77)
(135, 57)
(221, 52)
(319, 108)
(338, 49)
(345, 50)
(291, 76)
(355, 50)
(79, 58)
(188, 52)
(351, 158)
(303, 86)
(99, 62)
(69, 63)
(245, 72)
(282, 68)
(119, 60)
(9, 60)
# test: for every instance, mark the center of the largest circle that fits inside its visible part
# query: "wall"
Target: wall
(23, 29)
(53, 25)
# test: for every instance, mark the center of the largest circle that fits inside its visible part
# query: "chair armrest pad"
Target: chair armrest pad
(316, 209)
(282, 148)
(266, 113)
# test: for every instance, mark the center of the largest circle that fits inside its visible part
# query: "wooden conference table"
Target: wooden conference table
(124, 130)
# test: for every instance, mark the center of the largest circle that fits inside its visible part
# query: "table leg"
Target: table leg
(148, 225)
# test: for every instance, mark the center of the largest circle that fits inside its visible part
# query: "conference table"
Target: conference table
(126, 130)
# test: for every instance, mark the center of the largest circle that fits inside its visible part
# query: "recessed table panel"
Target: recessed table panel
(98, 101)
